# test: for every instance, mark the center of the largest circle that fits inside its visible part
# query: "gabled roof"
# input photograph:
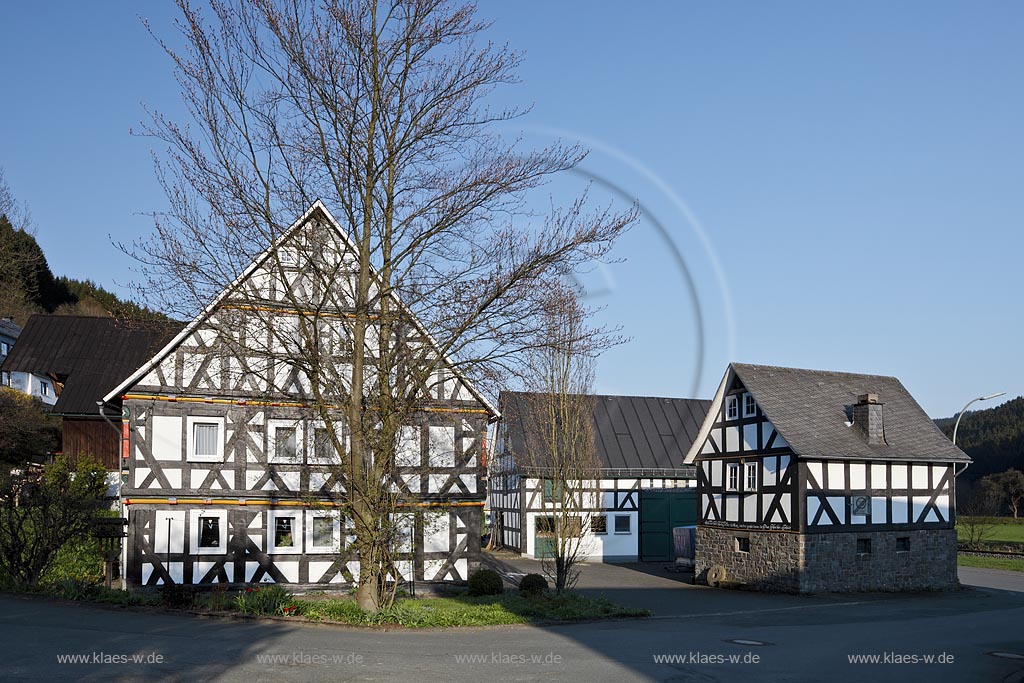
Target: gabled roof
(630, 432)
(90, 355)
(812, 409)
(317, 209)
(9, 329)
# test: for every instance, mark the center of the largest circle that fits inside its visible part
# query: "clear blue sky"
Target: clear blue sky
(856, 169)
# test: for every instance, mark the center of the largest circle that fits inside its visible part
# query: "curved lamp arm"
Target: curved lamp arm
(964, 410)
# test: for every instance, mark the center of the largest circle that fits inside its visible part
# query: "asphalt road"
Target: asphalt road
(793, 639)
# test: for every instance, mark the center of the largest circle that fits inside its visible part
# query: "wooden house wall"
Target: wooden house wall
(93, 438)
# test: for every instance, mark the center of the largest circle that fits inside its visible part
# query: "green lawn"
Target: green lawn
(469, 611)
(1006, 531)
(1010, 563)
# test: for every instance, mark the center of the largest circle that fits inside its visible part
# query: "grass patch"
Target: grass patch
(488, 610)
(1012, 564)
(1002, 531)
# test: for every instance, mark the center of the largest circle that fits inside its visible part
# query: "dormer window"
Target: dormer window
(749, 406)
(732, 410)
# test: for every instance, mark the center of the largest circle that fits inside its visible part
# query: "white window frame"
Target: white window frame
(749, 405)
(335, 458)
(750, 468)
(732, 407)
(4, 349)
(44, 388)
(732, 476)
(195, 531)
(615, 527)
(335, 545)
(297, 532)
(272, 427)
(190, 422)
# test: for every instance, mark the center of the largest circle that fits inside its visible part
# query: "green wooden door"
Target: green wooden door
(660, 511)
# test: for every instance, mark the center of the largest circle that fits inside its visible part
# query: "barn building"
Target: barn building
(815, 481)
(228, 479)
(644, 489)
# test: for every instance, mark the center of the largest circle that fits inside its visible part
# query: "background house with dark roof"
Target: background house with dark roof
(37, 385)
(824, 481)
(644, 489)
(83, 358)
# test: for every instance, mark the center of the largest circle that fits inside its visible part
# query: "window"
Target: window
(44, 389)
(572, 526)
(323, 531)
(4, 349)
(599, 524)
(323, 447)
(752, 476)
(731, 408)
(743, 544)
(284, 528)
(5, 379)
(545, 525)
(623, 524)
(284, 443)
(733, 476)
(283, 440)
(863, 546)
(205, 440)
(749, 406)
(552, 493)
(903, 544)
(209, 532)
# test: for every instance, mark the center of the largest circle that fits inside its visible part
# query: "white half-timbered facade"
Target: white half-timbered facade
(845, 472)
(643, 491)
(228, 474)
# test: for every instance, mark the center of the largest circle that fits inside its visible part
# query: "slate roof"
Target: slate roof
(90, 355)
(631, 432)
(811, 408)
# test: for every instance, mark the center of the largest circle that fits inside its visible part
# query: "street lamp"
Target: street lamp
(964, 410)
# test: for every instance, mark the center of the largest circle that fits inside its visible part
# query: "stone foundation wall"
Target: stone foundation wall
(813, 563)
(772, 564)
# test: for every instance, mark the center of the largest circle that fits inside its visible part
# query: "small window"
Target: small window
(863, 546)
(5, 379)
(44, 389)
(323, 447)
(209, 532)
(323, 531)
(285, 445)
(742, 544)
(623, 524)
(204, 439)
(731, 408)
(903, 544)
(733, 482)
(4, 348)
(545, 525)
(599, 524)
(752, 476)
(284, 536)
(749, 406)
(552, 493)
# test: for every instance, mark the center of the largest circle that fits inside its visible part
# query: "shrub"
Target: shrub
(177, 596)
(485, 582)
(272, 600)
(532, 585)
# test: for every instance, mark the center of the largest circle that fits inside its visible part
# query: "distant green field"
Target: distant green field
(1009, 532)
(1009, 563)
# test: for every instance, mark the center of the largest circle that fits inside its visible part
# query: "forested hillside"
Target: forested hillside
(994, 438)
(28, 286)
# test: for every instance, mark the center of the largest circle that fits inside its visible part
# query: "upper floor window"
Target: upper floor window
(749, 405)
(4, 349)
(732, 482)
(752, 476)
(44, 389)
(732, 410)
(5, 379)
(206, 438)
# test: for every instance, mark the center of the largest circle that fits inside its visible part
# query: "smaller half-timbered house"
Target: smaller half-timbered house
(815, 481)
(643, 493)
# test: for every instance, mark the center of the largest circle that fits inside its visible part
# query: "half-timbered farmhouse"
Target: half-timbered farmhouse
(823, 481)
(232, 478)
(644, 489)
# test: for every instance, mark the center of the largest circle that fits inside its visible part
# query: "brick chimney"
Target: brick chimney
(867, 419)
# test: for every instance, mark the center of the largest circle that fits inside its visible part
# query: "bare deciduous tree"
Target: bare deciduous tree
(378, 110)
(560, 432)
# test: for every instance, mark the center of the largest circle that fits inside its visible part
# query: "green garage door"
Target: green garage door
(660, 511)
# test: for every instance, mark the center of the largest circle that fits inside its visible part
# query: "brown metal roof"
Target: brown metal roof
(90, 355)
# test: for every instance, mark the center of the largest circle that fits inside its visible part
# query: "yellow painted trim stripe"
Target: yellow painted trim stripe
(275, 404)
(280, 503)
